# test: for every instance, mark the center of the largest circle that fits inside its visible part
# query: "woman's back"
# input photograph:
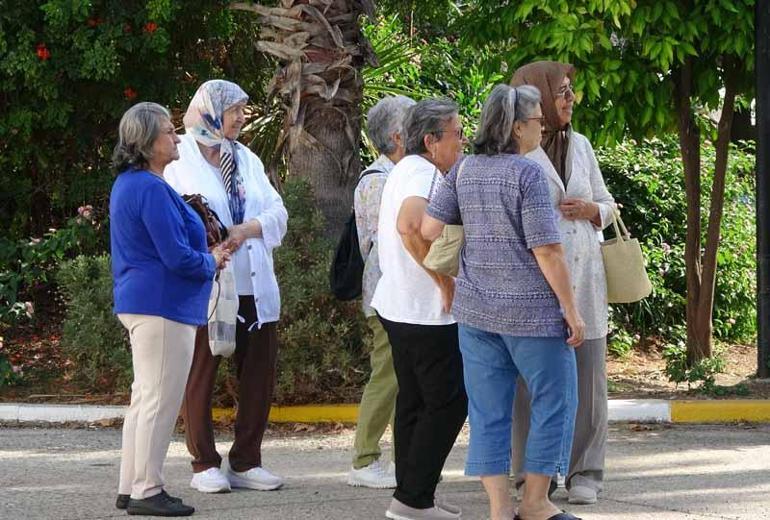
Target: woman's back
(503, 203)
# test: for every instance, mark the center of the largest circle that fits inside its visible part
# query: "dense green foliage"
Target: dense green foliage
(646, 178)
(92, 338)
(70, 68)
(625, 52)
(27, 266)
(322, 351)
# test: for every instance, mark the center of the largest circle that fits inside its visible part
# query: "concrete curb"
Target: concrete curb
(621, 410)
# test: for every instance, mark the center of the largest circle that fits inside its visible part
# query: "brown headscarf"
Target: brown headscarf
(547, 76)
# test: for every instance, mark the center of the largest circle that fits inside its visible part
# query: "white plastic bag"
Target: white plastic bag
(223, 313)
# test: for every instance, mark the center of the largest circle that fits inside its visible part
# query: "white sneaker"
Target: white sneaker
(375, 475)
(255, 478)
(210, 481)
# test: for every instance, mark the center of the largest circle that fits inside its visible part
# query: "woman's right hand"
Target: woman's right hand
(221, 256)
(576, 326)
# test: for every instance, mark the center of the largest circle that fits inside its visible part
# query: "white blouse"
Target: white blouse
(193, 174)
(580, 239)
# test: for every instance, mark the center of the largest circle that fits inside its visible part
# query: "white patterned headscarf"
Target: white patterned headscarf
(204, 119)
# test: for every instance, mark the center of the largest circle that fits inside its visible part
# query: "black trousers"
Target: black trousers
(431, 406)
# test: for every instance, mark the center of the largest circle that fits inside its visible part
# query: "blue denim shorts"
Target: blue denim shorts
(492, 362)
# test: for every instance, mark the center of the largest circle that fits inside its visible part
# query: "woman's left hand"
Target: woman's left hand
(578, 209)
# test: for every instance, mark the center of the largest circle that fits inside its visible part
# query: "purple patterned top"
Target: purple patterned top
(504, 204)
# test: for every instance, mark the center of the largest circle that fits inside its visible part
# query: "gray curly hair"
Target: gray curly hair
(385, 119)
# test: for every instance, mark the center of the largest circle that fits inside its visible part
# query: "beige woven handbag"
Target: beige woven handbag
(444, 254)
(627, 279)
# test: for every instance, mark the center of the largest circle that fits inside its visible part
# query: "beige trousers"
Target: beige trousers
(161, 353)
(590, 441)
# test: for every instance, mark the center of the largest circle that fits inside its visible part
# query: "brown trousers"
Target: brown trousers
(256, 353)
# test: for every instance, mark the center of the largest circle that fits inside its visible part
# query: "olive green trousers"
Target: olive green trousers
(378, 401)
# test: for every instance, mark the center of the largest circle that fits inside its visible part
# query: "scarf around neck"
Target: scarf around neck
(204, 121)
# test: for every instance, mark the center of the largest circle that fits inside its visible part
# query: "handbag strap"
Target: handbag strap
(617, 220)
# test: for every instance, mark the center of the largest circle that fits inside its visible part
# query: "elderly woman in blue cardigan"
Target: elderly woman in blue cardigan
(162, 275)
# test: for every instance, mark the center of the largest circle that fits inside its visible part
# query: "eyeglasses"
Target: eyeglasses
(458, 133)
(541, 119)
(566, 89)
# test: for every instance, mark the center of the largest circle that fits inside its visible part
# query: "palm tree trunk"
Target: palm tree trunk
(321, 51)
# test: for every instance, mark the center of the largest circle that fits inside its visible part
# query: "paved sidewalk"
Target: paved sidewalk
(660, 472)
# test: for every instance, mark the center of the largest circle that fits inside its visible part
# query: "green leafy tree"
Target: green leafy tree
(70, 68)
(646, 67)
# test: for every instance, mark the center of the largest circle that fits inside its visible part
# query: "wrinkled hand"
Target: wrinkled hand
(578, 209)
(221, 255)
(236, 236)
(447, 294)
(577, 328)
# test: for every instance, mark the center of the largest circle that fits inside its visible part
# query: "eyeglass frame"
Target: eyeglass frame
(566, 89)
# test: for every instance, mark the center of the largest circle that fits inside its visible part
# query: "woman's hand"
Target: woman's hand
(579, 209)
(236, 236)
(221, 255)
(577, 327)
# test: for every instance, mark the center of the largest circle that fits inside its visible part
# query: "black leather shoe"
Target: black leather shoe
(122, 500)
(161, 504)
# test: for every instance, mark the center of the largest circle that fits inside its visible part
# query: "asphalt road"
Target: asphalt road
(653, 472)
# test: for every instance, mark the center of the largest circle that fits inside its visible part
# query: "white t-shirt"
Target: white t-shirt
(240, 259)
(405, 292)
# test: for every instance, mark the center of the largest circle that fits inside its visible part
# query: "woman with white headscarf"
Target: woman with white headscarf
(232, 179)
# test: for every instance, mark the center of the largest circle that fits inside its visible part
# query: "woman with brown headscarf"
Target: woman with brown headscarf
(583, 206)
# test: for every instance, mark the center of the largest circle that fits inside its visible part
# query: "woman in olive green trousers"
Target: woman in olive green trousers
(384, 127)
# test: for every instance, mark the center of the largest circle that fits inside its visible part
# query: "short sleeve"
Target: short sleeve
(537, 215)
(419, 182)
(443, 203)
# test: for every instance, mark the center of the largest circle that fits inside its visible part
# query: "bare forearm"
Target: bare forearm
(555, 270)
(418, 247)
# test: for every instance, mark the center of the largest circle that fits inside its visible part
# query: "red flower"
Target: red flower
(42, 52)
(129, 93)
(127, 28)
(93, 22)
(150, 27)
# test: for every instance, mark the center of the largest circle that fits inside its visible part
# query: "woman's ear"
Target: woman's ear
(517, 131)
(429, 140)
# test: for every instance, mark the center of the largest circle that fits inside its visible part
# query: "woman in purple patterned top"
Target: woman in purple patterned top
(513, 302)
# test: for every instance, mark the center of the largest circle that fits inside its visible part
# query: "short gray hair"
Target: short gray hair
(385, 119)
(504, 106)
(426, 118)
(139, 127)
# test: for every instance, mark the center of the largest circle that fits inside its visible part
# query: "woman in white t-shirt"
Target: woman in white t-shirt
(413, 305)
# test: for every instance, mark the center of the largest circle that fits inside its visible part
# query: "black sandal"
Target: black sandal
(560, 516)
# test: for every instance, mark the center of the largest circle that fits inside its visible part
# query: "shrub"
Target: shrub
(647, 179)
(56, 54)
(92, 338)
(26, 266)
(321, 356)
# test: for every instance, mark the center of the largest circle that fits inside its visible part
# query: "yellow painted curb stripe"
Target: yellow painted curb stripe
(681, 412)
(720, 411)
(343, 413)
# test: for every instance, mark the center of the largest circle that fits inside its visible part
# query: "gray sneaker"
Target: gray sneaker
(581, 495)
(400, 511)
